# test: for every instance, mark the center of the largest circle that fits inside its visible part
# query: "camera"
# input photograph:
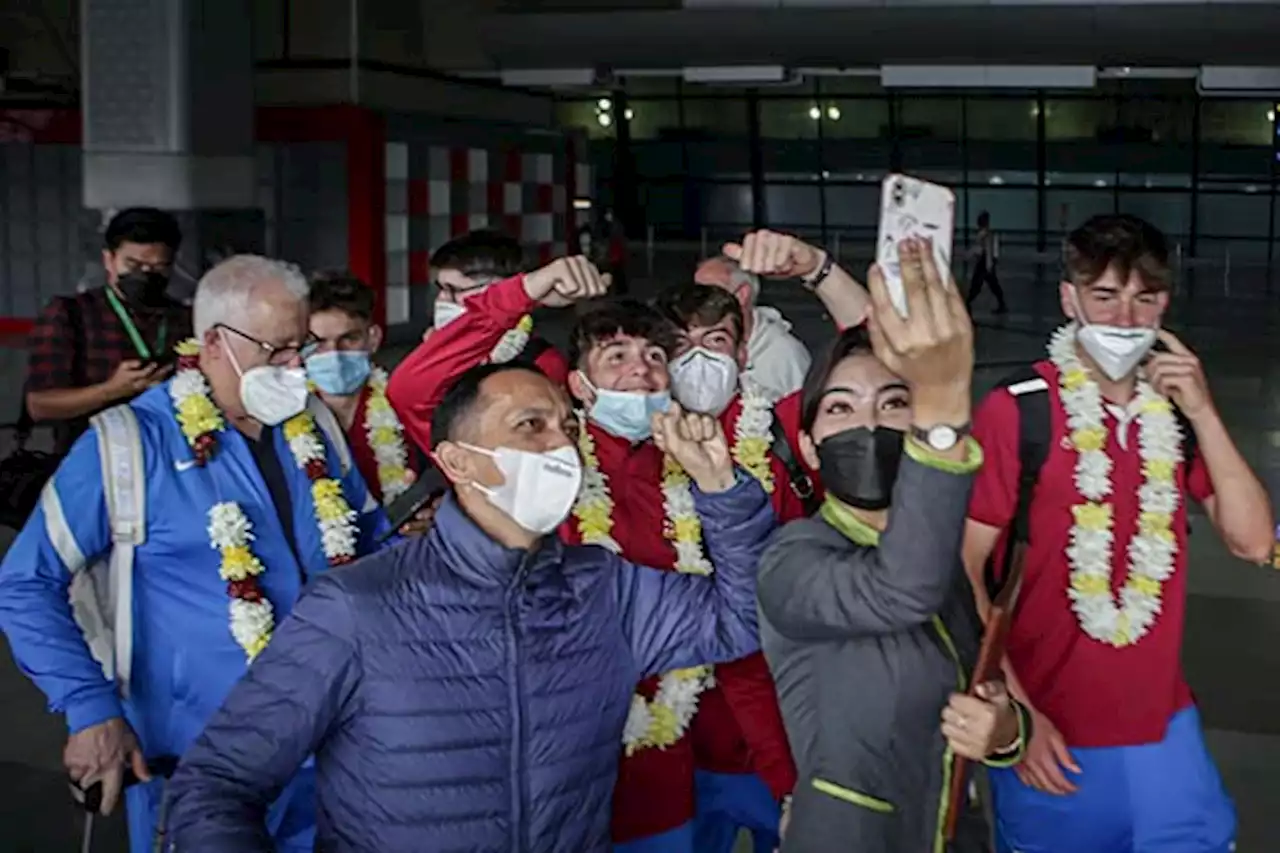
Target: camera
(899, 194)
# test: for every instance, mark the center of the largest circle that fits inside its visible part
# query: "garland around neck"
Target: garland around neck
(513, 342)
(1152, 549)
(385, 434)
(662, 722)
(230, 532)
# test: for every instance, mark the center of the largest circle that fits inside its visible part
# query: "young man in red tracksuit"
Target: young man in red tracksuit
(464, 269)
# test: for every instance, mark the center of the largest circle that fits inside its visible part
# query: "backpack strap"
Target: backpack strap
(797, 477)
(125, 488)
(1030, 391)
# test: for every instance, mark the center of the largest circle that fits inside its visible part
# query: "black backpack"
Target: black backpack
(1030, 391)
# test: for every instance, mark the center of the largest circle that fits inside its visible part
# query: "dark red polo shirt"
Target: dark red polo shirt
(1097, 695)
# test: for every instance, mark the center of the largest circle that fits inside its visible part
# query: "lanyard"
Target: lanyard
(144, 351)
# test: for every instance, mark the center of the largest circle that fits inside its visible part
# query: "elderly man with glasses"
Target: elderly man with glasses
(183, 527)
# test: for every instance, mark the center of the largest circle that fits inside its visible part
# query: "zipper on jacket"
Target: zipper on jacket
(948, 757)
(516, 697)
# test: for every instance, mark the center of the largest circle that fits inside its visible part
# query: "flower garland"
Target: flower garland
(338, 530)
(230, 531)
(753, 435)
(513, 342)
(662, 722)
(1153, 548)
(198, 417)
(386, 438)
(252, 619)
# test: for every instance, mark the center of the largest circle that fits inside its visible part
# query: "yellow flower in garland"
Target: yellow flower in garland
(298, 426)
(753, 455)
(1089, 439)
(1091, 516)
(239, 563)
(331, 504)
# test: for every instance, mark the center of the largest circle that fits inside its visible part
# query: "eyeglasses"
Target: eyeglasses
(275, 355)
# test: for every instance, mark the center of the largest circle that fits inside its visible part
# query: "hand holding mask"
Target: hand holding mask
(697, 442)
(931, 348)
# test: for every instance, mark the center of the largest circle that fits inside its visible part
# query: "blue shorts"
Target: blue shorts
(1164, 797)
(678, 840)
(729, 802)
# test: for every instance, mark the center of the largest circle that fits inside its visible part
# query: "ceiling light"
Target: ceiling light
(833, 113)
(1100, 183)
(629, 113)
(604, 104)
(815, 113)
(1271, 115)
(605, 119)
(995, 180)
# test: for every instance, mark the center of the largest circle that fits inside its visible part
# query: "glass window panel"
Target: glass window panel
(658, 159)
(1168, 211)
(1067, 209)
(1153, 147)
(854, 208)
(1002, 118)
(1235, 139)
(789, 205)
(789, 139)
(1078, 134)
(662, 202)
(586, 115)
(930, 137)
(652, 119)
(1234, 215)
(857, 145)
(716, 133)
(789, 118)
(854, 118)
(1013, 212)
(727, 204)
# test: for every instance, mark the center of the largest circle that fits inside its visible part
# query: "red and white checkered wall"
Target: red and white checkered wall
(437, 192)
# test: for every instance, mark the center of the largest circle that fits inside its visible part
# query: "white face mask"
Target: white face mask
(270, 394)
(538, 489)
(1117, 350)
(704, 381)
(445, 313)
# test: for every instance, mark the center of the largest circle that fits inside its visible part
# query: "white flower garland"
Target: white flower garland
(385, 434)
(1153, 548)
(339, 532)
(753, 434)
(513, 342)
(252, 619)
(664, 721)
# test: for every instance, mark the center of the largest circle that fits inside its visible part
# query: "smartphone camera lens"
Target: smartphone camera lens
(899, 194)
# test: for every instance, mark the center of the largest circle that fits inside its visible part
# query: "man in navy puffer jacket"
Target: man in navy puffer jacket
(466, 691)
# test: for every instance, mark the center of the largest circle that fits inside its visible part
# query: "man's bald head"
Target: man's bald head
(725, 273)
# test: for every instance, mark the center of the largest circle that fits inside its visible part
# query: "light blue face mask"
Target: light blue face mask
(338, 372)
(626, 414)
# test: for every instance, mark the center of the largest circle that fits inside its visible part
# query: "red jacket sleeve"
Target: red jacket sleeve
(419, 383)
(748, 687)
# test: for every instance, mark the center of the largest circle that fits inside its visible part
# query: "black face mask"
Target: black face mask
(145, 289)
(860, 465)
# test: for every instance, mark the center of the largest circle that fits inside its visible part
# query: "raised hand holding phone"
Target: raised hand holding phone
(913, 209)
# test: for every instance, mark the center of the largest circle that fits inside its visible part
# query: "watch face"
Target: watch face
(942, 438)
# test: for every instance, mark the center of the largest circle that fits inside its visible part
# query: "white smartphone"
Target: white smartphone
(910, 207)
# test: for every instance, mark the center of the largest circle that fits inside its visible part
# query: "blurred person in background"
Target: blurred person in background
(874, 586)
(986, 254)
(109, 343)
(1092, 459)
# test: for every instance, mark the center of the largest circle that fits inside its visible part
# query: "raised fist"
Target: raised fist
(565, 281)
(697, 442)
(774, 255)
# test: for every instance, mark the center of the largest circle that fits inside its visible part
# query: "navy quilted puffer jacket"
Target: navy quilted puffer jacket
(459, 696)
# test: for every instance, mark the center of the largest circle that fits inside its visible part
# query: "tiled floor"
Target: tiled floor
(1233, 629)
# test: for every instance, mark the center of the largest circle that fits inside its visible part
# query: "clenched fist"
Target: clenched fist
(566, 281)
(697, 442)
(774, 255)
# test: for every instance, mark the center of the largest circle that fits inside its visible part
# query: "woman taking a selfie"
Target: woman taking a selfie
(866, 617)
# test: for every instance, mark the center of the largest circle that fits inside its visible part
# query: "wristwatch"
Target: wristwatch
(942, 437)
(820, 273)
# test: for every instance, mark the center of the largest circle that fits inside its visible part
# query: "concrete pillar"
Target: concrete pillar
(168, 106)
